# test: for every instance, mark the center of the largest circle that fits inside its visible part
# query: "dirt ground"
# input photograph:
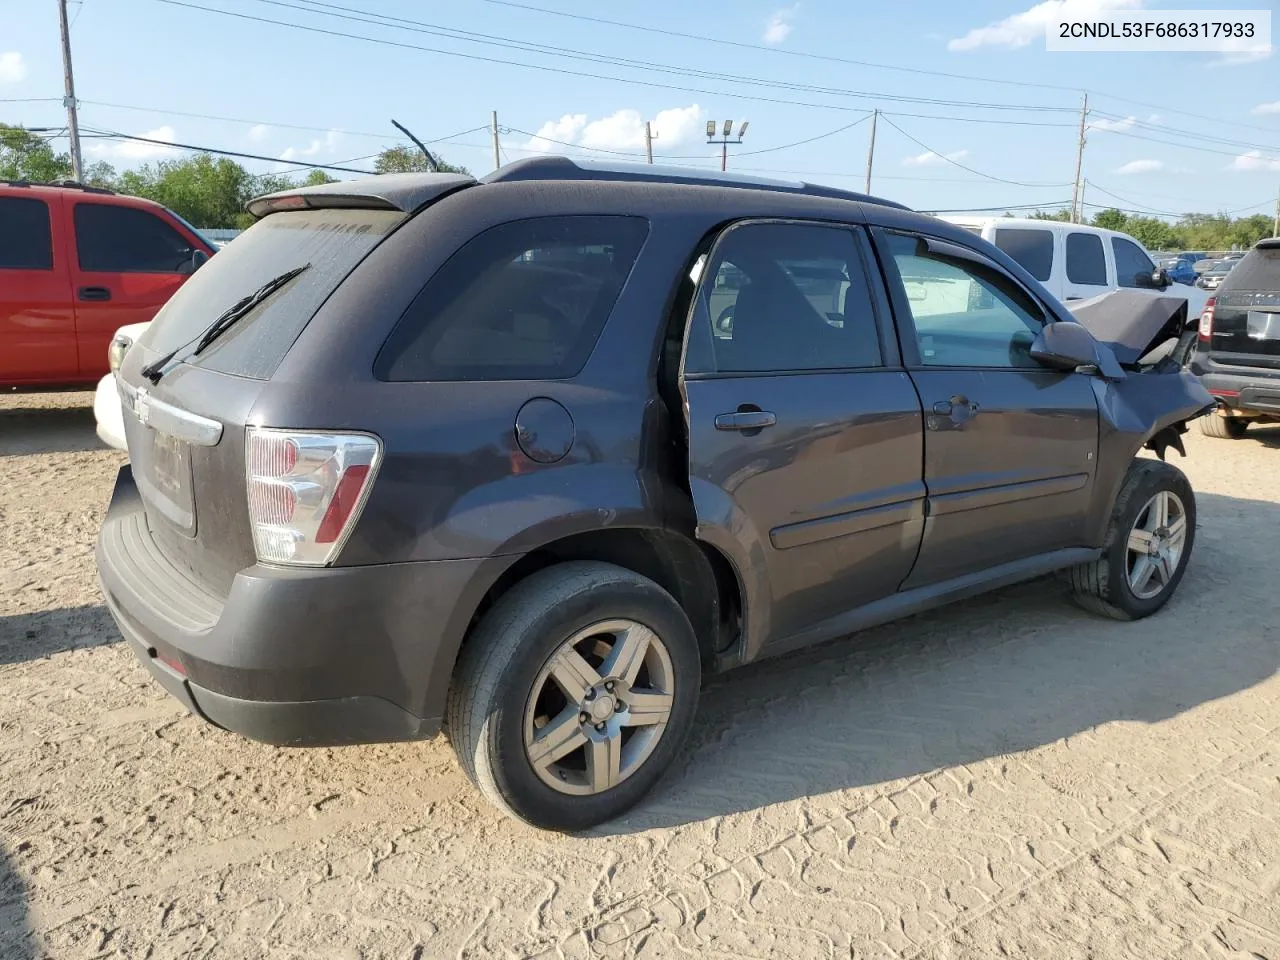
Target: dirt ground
(1009, 777)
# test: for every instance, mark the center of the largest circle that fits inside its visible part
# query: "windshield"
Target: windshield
(333, 241)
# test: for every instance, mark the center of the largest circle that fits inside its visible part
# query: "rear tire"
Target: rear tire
(1223, 428)
(1144, 556)
(565, 762)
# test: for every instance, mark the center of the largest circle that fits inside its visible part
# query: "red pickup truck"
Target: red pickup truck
(76, 264)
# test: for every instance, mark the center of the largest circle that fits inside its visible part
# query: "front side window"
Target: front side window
(1086, 263)
(1032, 249)
(1133, 267)
(787, 297)
(526, 300)
(112, 239)
(965, 314)
(26, 240)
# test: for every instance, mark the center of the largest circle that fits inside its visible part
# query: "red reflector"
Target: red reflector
(1225, 393)
(172, 663)
(344, 501)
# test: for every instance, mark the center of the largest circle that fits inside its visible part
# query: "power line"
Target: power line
(343, 12)
(1165, 213)
(1005, 206)
(1162, 128)
(30, 99)
(596, 76)
(113, 135)
(993, 120)
(1188, 146)
(956, 163)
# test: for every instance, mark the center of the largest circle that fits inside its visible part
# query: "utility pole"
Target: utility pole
(1276, 227)
(871, 148)
(69, 101)
(1077, 195)
(649, 136)
(497, 151)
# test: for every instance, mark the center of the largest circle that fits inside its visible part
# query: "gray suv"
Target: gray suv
(527, 458)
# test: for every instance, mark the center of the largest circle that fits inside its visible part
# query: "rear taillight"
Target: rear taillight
(306, 491)
(1206, 319)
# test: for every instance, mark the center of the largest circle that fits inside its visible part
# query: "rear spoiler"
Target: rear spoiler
(405, 192)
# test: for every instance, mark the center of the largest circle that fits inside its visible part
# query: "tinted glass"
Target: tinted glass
(965, 315)
(1032, 249)
(1133, 267)
(1258, 272)
(522, 301)
(1086, 262)
(114, 239)
(788, 297)
(332, 241)
(26, 241)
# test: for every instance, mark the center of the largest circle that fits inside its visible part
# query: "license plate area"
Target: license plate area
(163, 475)
(1262, 325)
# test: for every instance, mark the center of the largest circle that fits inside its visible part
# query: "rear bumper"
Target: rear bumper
(1245, 393)
(296, 657)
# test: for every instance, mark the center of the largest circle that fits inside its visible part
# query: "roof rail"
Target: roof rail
(563, 168)
(63, 184)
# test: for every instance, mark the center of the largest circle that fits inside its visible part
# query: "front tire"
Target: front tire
(1148, 545)
(1223, 428)
(574, 694)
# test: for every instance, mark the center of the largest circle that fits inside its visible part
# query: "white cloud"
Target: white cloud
(1254, 161)
(1273, 107)
(1240, 58)
(622, 130)
(259, 132)
(13, 69)
(1155, 118)
(929, 158)
(1023, 28)
(137, 149)
(314, 148)
(1141, 166)
(1104, 125)
(779, 25)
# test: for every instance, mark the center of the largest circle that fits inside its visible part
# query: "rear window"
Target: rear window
(1032, 249)
(26, 242)
(522, 301)
(1259, 271)
(331, 241)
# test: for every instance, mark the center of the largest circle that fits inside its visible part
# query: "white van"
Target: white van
(1075, 262)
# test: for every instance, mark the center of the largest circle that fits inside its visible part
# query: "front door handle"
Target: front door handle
(94, 293)
(956, 411)
(746, 420)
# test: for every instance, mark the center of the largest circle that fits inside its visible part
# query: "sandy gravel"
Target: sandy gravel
(1010, 777)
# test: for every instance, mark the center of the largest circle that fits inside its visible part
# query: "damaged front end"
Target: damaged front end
(1145, 397)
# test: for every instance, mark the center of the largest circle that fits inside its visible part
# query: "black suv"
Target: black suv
(1238, 353)
(526, 458)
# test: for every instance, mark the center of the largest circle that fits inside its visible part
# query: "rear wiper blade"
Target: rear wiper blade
(228, 319)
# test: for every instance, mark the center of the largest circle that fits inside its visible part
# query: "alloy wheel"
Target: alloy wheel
(1155, 545)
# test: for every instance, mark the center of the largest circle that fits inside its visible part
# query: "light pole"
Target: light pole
(725, 138)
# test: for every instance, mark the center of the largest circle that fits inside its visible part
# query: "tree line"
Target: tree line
(207, 191)
(1192, 231)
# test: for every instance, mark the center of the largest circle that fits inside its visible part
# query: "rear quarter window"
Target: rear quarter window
(525, 300)
(1032, 249)
(26, 240)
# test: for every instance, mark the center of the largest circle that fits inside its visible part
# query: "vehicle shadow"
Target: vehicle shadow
(47, 429)
(1268, 435)
(996, 675)
(15, 934)
(33, 636)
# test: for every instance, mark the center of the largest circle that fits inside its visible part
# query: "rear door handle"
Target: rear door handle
(93, 293)
(746, 420)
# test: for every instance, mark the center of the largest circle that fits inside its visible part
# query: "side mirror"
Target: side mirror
(1065, 346)
(1161, 278)
(198, 259)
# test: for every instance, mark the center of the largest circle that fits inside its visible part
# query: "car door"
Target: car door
(1010, 447)
(804, 431)
(1085, 260)
(128, 262)
(37, 322)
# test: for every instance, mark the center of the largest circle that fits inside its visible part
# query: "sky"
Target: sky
(975, 112)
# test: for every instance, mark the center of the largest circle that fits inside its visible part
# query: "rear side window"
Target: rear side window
(1086, 263)
(1133, 267)
(111, 239)
(331, 241)
(1032, 249)
(522, 301)
(26, 240)
(1258, 272)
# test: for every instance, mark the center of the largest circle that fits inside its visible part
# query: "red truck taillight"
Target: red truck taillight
(306, 491)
